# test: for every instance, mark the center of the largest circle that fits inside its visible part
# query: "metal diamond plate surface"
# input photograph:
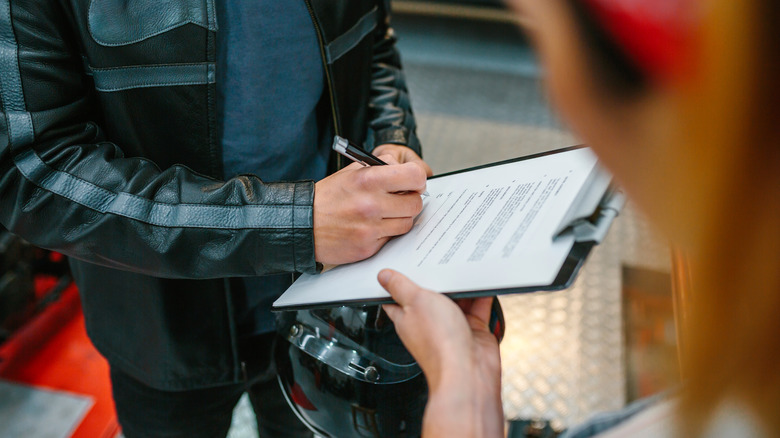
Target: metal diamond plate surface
(563, 353)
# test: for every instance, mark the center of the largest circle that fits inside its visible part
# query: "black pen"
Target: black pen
(357, 154)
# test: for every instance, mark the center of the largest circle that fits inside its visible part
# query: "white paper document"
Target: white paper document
(492, 228)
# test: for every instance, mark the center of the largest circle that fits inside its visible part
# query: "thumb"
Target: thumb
(398, 285)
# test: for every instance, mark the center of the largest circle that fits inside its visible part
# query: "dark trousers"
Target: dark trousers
(145, 412)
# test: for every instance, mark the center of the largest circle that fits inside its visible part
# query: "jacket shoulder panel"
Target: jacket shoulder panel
(119, 22)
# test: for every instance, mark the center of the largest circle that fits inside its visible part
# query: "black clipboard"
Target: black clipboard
(589, 231)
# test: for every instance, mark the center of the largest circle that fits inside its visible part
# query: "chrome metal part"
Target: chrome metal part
(350, 358)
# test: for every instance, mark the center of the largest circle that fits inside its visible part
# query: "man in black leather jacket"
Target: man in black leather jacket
(110, 154)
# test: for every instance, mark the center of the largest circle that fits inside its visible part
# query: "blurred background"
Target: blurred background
(477, 92)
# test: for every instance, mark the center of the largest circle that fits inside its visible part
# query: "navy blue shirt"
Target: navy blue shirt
(270, 79)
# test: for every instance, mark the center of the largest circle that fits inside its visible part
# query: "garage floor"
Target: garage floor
(476, 91)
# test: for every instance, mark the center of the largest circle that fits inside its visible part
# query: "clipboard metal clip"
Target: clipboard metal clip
(595, 227)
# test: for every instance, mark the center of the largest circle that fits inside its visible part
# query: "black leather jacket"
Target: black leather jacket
(109, 154)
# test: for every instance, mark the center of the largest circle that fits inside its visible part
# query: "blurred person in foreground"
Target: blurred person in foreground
(680, 101)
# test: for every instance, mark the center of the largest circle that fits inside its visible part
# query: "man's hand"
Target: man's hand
(402, 154)
(457, 353)
(358, 209)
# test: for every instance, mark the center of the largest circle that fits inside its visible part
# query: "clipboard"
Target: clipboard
(586, 220)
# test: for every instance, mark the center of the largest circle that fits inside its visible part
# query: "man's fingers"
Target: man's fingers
(389, 159)
(426, 168)
(407, 177)
(403, 154)
(397, 151)
(401, 205)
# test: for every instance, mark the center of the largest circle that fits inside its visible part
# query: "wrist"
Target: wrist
(464, 407)
(449, 367)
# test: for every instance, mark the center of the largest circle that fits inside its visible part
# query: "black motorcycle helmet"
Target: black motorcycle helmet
(345, 372)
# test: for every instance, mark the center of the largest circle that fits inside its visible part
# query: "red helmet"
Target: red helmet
(657, 35)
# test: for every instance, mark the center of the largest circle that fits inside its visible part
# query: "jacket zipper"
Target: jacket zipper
(328, 80)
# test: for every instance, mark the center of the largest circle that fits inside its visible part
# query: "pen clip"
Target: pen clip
(340, 144)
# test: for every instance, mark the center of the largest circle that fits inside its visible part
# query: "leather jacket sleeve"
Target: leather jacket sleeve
(64, 187)
(392, 120)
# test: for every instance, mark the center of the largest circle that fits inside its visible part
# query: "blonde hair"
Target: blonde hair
(731, 123)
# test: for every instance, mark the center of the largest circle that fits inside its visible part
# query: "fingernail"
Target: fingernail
(384, 276)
